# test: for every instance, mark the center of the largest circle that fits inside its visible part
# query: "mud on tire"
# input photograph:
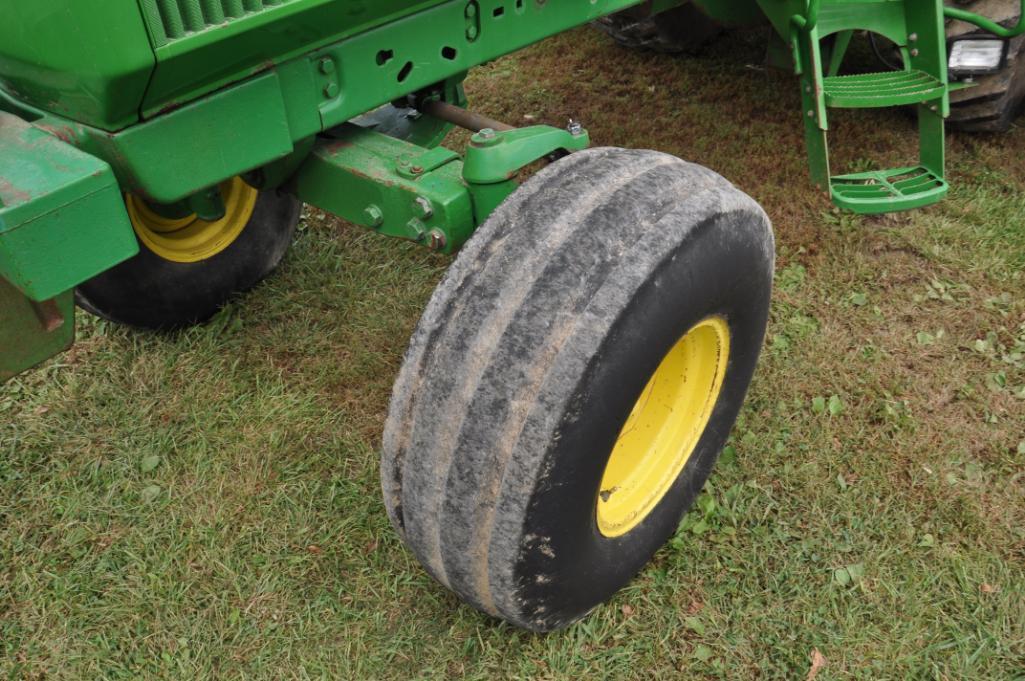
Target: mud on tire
(532, 353)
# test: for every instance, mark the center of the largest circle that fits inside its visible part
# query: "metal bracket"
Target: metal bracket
(429, 196)
(497, 156)
(390, 186)
(494, 158)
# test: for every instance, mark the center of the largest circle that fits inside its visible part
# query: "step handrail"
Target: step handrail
(988, 25)
(808, 21)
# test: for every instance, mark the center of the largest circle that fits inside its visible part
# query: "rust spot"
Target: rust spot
(49, 315)
(168, 108)
(65, 133)
(338, 145)
(11, 195)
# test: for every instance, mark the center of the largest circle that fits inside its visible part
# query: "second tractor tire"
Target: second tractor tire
(683, 29)
(612, 283)
(154, 292)
(996, 100)
(993, 101)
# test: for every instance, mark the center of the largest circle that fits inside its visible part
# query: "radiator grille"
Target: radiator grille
(171, 20)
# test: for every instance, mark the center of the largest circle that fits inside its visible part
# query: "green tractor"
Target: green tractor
(574, 376)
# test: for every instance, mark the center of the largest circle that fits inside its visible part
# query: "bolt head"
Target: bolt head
(374, 216)
(416, 170)
(418, 229)
(914, 53)
(331, 89)
(437, 240)
(424, 207)
(913, 37)
(327, 66)
(574, 128)
(471, 33)
(486, 137)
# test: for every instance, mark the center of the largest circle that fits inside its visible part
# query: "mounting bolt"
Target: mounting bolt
(417, 228)
(574, 128)
(426, 209)
(416, 170)
(373, 215)
(914, 52)
(807, 88)
(438, 240)
(913, 37)
(327, 66)
(471, 10)
(811, 113)
(485, 138)
(331, 89)
(471, 33)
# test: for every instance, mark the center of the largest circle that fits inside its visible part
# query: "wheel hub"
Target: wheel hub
(191, 239)
(664, 427)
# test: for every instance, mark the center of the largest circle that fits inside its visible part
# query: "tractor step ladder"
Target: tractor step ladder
(870, 90)
(916, 27)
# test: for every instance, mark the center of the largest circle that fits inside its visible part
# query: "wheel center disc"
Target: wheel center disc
(190, 239)
(664, 427)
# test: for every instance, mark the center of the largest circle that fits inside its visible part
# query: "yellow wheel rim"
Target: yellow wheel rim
(190, 239)
(664, 427)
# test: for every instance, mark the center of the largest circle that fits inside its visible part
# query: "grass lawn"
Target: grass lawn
(206, 503)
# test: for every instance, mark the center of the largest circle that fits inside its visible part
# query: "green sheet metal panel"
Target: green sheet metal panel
(201, 144)
(62, 218)
(202, 45)
(88, 61)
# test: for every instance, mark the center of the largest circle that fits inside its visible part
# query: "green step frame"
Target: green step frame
(875, 90)
(885, 191)
(916, 27)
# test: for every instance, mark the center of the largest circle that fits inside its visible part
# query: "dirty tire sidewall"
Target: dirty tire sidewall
(579, 566)
(529, 358)
(148, 291)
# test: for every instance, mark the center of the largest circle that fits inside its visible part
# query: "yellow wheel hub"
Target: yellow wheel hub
(190, 239)
(664, 427)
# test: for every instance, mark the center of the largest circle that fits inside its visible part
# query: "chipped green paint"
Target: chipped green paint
(62, 219)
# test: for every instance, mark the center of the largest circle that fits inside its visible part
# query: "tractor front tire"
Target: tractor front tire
(572, 380)
(683, 29)
(187, 269)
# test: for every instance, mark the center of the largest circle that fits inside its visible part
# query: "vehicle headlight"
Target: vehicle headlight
(976, 56)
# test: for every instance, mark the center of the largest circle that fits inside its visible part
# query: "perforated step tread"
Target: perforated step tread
(874, 90)
(884, 191)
